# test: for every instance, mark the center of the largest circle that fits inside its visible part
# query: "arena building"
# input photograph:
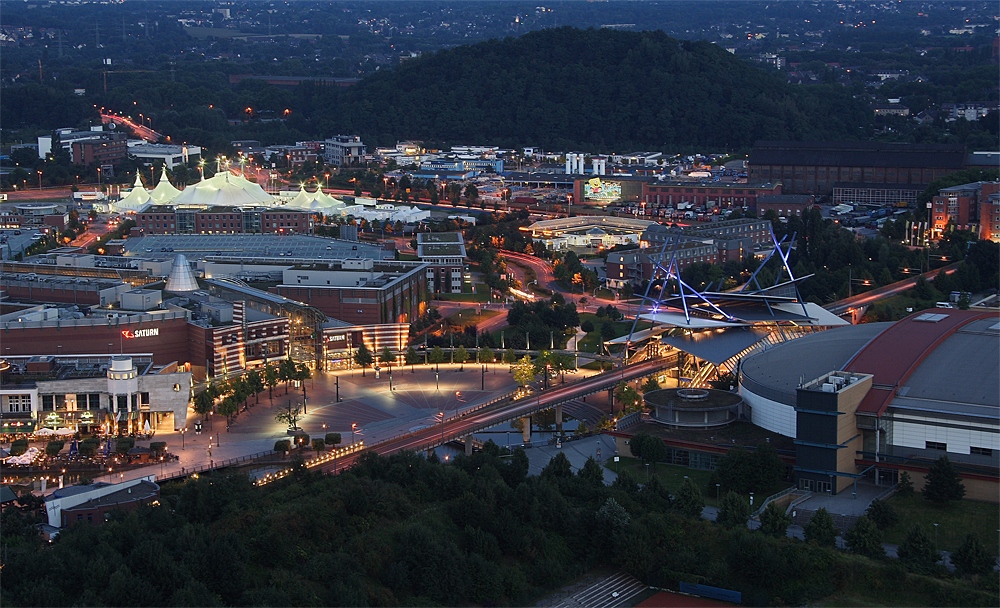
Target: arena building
(588, 231)
(885, 396)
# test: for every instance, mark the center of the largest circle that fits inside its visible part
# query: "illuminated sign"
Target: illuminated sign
(141, 333)
(597, 190)
(340, 338)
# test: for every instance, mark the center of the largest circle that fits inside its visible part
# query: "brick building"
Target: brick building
(785, 205)
(865, 168)
(968, 207)
(109, 149)
(659, 196)
(445, 252)
(360, 291)
(989, 218)
(164, 219)
(226, 337)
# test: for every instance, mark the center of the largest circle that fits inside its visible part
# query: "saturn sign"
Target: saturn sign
(141, 333)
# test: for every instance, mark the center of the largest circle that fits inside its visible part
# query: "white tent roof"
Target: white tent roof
(302, 200)
(135, 201)
(224, 190)
(164, 192)
(322, 200)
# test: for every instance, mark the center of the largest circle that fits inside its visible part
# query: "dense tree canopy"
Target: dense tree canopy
(633, 88)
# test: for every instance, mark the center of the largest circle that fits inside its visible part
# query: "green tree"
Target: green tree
(864, 538)
(203, 402)
(650, 385)
(509, 357)
(53, 448)
(917, 552)
(612, 516)
(972, 557)
(387, 357)
(333, 439)
(592, 471)
(524, 371)
(270, 380)
(774, 521)
(689, 500)
(472, 193)
(486, 355)
(255, 383)
(286, 371)
(905, 488)
(882, 514)
(942, 483)
(559, 466)
(437, 355)
(229, 407)
(630, 398)
(363, 357)
(734, 511)
(820, 529)
(411, 357)
(461, 356)
(289, 414)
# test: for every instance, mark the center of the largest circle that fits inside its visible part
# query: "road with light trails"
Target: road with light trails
(870, 297)
(466, 424)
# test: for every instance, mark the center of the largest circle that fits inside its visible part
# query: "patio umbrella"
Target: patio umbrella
(145, 427)
(74, 448)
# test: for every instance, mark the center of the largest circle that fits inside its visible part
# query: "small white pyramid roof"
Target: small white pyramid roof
(225, 190)
(181, 276)
(164, 192)
(135, 201)
(302, 200)
(324, 202)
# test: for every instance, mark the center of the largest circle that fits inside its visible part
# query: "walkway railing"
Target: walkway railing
(314, 462)
(771, 499)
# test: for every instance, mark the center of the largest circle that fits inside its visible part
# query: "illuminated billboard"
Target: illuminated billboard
(597, 190)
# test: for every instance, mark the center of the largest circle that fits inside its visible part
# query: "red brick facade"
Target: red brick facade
(170, 343)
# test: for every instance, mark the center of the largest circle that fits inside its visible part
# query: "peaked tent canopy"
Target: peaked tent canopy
(224, 190)
(135, 201)
(164, 192)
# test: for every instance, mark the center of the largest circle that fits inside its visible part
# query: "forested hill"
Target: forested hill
(600, 89)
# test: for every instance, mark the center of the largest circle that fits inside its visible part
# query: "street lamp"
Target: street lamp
(183, 430)
(39, 179)
(442, 427)
(935, 537)
(354, 426)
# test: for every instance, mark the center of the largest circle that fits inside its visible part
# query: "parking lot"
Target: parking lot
(15, 240)
(252, 246)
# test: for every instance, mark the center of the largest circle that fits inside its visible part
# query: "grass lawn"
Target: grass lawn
(592, 341)
(670, 475)
(955, 520)
(470, 316)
